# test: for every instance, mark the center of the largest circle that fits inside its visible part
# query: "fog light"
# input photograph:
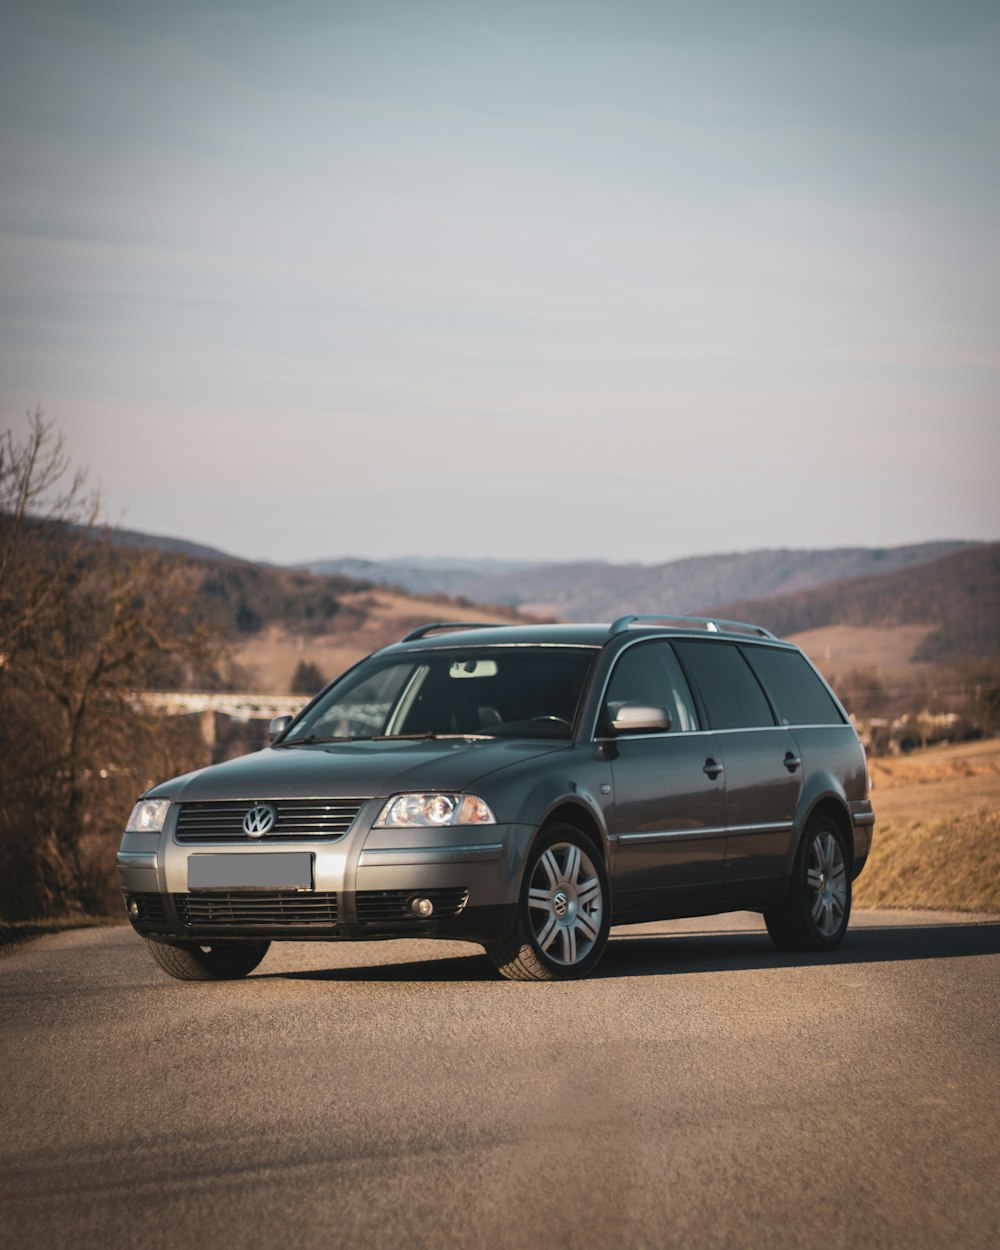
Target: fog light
(133, 908)
(422, 907)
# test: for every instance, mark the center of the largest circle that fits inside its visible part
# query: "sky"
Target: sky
(615, 280)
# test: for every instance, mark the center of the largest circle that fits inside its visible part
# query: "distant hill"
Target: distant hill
(598, 591)
(171, 546)
(278, 619)
(595, 590)
(957, 595)
(243, 598)
(421, 576)
(932, 602)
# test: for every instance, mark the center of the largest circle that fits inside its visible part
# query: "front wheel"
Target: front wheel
(814, 916)
(563, 913)
(223, 961)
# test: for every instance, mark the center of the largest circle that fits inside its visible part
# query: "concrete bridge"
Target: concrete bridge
(231, 723)
(226, 703)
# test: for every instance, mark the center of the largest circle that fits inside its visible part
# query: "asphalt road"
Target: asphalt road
(702, 1090)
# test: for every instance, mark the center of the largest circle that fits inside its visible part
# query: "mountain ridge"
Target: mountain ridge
(930, 603)
(600, 590)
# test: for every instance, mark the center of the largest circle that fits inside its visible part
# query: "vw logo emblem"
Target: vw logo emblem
(259, 820)
(560, 904)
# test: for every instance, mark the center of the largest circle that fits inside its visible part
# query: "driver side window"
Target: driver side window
(648, 673)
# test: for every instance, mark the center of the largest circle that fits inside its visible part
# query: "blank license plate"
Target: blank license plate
(277, 871)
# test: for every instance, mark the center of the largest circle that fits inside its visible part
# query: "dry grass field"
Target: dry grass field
(886, 650)
(937, 832)
(270, 657)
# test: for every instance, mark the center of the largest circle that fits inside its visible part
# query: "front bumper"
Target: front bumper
(362, 884)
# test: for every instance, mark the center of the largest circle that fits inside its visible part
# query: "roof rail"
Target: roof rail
(711, 625)
(423, 630)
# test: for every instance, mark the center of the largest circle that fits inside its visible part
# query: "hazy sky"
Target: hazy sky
(556, 280)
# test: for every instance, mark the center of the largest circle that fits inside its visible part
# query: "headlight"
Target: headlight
(424, 811)
(148, 816)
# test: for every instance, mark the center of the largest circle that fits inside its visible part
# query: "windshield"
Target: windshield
(530, 692)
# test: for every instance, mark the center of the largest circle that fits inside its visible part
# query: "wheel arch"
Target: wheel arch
(579, 815)
(833, 809)
(527, 952)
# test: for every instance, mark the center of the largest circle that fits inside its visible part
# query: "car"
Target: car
(524, 787)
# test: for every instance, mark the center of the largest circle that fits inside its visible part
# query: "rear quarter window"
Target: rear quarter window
(798, 694)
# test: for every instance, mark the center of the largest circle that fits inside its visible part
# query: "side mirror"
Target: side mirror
(278, 726)
(626, 718)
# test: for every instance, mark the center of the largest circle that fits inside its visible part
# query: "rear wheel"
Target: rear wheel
(563, 914)
(223, 961)
(814, 916)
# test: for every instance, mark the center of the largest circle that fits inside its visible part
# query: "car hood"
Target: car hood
(353, 769)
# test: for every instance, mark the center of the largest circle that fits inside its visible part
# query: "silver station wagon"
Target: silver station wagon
(522, 787)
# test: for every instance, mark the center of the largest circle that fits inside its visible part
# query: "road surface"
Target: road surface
(702, 1090)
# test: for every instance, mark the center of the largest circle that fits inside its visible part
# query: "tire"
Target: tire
(190, 961)
(814, 916)
(563, 913)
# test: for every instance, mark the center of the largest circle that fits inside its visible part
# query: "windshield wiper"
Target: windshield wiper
(317, 738)
(423, 736)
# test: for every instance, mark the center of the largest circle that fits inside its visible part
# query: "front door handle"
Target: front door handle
(792, 761)
(712, 768)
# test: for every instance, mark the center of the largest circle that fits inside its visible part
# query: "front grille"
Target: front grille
(392, 907)
(276, 909)
(296, 818)
(150, 910)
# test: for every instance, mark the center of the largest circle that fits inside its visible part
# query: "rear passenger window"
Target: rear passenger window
(649, 673)
(797, 693)
(732, 695)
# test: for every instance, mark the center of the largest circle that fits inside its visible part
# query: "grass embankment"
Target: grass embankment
(937, 831)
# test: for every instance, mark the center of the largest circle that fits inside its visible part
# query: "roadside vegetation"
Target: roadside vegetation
(941, 865)
(937, 830)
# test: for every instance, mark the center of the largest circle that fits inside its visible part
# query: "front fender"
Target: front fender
(582, 787)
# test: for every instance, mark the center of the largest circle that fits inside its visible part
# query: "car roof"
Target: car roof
(443, 635)
(460, 634)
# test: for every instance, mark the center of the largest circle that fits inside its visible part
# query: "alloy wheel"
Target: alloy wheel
(565, 904)
(826, 880)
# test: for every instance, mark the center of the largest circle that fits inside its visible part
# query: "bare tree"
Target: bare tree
(38, 491)
(85, 626)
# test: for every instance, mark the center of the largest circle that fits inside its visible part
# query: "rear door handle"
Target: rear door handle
(792, 761)
(712, 769)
